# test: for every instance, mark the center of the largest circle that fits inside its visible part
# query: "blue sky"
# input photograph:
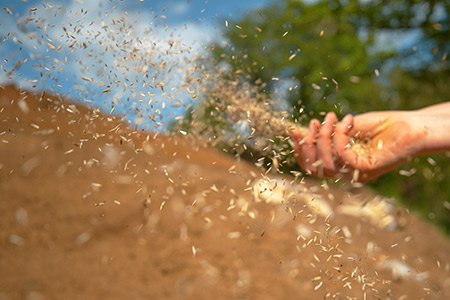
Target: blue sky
(38, 50)
(177, 11)
(131, 57)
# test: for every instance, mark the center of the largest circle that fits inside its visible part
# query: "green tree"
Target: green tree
(344, 44)
(349, 56)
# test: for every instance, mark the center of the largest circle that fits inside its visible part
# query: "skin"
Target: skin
(392, 137)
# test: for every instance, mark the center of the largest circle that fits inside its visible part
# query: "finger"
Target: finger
(308, 148)
(324, 144)
(343, 154)
(296, 136)
(298, 139)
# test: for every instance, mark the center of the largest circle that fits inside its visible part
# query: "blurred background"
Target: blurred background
(310, 57)
(352, 57)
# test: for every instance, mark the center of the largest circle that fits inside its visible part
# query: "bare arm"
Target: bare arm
(435, 120)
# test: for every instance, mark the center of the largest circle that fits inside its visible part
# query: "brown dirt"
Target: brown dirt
(81, 217)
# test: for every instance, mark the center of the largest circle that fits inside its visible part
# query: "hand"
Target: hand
(391, 139)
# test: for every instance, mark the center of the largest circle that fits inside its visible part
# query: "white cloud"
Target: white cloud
(179, 8)
(130, 54)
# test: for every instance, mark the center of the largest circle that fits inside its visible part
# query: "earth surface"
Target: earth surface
(91, 208)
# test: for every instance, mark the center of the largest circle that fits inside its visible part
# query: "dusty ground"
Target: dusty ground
(90, 209)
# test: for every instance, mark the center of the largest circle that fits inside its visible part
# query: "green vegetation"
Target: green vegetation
(349, 57)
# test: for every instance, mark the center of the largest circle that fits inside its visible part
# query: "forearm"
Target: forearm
(435, 122)
(437, 109)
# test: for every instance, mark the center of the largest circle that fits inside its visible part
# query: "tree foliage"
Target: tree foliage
(352, 56)
(345, 42)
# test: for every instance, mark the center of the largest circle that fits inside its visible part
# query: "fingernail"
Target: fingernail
(315, 124)
(347, 118)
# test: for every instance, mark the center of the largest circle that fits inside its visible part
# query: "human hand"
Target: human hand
(330, 149)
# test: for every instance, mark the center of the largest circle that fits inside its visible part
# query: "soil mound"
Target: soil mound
(92, 209)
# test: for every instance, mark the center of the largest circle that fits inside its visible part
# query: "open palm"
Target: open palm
(326, 149)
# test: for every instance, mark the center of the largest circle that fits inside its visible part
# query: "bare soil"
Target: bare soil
(92, 209)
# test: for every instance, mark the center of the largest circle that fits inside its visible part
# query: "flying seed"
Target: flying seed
(7, 10)
(318, 286)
